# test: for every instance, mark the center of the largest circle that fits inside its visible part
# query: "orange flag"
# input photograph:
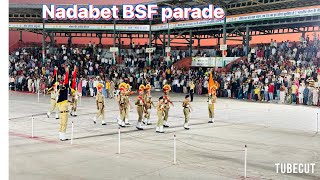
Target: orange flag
(211, 82)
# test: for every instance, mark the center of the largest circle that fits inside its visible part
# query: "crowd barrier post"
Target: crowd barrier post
(174, 150)
(72, 126)
(245, 161)
(119, 140)
(32, 118)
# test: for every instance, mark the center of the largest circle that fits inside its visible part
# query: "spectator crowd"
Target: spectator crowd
(285, 72)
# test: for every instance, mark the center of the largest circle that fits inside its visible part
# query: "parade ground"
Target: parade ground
(273, 134)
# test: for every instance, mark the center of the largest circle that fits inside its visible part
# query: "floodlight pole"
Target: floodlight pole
(225, 29)
(190, 43)
(43, 40)
(168, 34)
(164, 44)
(114, 33)
(150, 34)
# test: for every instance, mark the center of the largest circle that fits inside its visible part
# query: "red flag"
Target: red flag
(74, 75)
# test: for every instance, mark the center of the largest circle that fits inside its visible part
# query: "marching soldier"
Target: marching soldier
(100, 104)
(212, 96)
(167, 102)
(63, 106)
(123, 104)
(140, 103)
(74, 102)
(54, 95)
(160, 114)
(148, 100)
(129, 106)
(186, 111)
(74, 93)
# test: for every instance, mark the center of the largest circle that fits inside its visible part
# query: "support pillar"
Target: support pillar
(114, 33)
(20, 39)
(247, 39)
(119, 43)
(100, 39)
(190, 44)
(243, 40)
(155, 40)
(303, 35)
(70, 40)
(43, 41)
(51, 35)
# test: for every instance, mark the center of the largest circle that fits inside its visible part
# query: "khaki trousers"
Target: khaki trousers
(211, 110)
(63, 108)
(186, 112)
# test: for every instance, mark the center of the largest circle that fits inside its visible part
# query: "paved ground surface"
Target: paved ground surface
(273, 133)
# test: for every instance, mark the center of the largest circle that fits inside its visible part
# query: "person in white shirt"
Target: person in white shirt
(95, 82)
(205, 85)
(266, 88)
(300, 91)
(84, 85)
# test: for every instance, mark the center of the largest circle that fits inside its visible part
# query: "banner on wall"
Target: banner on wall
(211, 61)
(279, 14)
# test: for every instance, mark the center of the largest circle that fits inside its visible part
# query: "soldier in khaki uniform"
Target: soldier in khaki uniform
(186, 111)
(74, 93)
(54, 97)
(100, 105)
(211, 100)
(128, 92)
(160, 114)
(140, 103)
(212, 96)
(63, 106)
(123, 104)
(74, 102)
(167, 102)
(148, 100)
(54, 94)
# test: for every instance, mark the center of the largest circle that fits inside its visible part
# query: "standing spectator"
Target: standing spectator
(257, 92)
(300, 92)
(305, 95)
(266, 91)
(271, 91)
(282, 93)
(91, 87)
(84, 86)
(192, 86)
(294, 89)
(108, 88)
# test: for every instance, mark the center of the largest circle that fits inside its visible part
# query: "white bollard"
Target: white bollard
(174, 150)
(38, 96)
(32, 118)
(245, 161)
(317, 123)
(72, 132)
(119, 140)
